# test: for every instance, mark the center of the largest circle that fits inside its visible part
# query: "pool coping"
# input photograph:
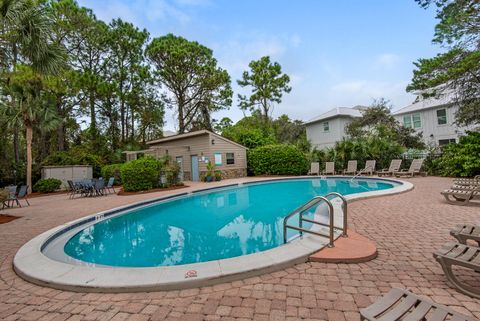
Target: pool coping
(33, 265)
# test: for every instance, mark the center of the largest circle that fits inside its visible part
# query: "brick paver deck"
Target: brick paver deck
(405, 227)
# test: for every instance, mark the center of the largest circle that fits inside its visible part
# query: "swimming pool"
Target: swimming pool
(221, 234)
(212, 225)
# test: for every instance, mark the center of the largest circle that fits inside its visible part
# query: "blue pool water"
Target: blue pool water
(210, 225)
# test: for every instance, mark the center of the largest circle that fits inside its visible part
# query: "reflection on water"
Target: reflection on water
(204, 227)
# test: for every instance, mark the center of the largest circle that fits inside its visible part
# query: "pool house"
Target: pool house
(194, 150)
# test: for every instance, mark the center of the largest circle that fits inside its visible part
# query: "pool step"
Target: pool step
(352, 249)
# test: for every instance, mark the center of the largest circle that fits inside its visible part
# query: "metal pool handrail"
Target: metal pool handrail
(344, 209)
(360, 172)
(314, 201)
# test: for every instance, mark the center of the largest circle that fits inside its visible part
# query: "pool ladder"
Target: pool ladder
(308, 205)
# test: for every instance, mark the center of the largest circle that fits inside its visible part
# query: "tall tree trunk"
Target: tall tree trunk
(93, 121)
(133, 124)
(122, 118)
(265, 110)
(181, 120)
(61, 126)
(29, 136)
(126, 124)
(93, 124)
(207, 121)
(16, 146)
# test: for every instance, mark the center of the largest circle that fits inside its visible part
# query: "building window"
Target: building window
(441, 116)
(417, 121)
(230, 158)
(326, 126)
(443, 142)
(412, 121)
(218, 159)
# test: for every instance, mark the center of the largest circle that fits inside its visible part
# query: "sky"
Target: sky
(338, 53)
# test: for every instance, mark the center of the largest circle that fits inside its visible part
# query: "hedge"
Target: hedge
(47, 185)
(277, 160)
(141, 174)
(461, 159)
(113, 170)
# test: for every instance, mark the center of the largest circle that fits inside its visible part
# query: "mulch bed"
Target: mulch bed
(123, 193)
(5, 218)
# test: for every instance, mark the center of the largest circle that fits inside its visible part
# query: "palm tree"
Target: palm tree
(25, 38)
(31, 108)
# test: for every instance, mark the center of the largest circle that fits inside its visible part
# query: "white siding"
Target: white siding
(321, 139)
(433, 132)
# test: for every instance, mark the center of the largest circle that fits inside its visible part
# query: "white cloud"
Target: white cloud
(387, 60)
(137, 11)
(364, 91)
(236, 54)
(163, 10)
(350, 87)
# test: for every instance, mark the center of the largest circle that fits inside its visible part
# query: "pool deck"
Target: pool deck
(406, 228)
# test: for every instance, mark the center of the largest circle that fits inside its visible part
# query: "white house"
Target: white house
(324, 130)
(434, 118)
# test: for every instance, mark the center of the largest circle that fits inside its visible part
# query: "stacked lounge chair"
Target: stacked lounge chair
(467, 181)
(394, 167)
(461, 195)
(414, 169)
(461, 254)
(463, 191)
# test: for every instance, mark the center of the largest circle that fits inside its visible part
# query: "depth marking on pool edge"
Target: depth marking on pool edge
(191, 274)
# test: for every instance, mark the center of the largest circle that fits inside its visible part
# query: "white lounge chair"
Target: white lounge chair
(394, 167)
(351, 168)
(369, 167)
(461, 196)
(314, 168)
(414, 169)
(329, 168)
(467, 181)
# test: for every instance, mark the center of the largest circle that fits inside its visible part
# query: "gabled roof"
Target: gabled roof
(192, 134)
(337, 112)
(426, 103)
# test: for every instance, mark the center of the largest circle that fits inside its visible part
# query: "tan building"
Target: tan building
(194, 150)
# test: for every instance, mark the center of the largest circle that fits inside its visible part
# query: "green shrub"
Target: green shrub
(277, 160)
(113, 170)
(171, 171)
(47, 185)
(461, 159)
(141, 174)
(249, 137)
